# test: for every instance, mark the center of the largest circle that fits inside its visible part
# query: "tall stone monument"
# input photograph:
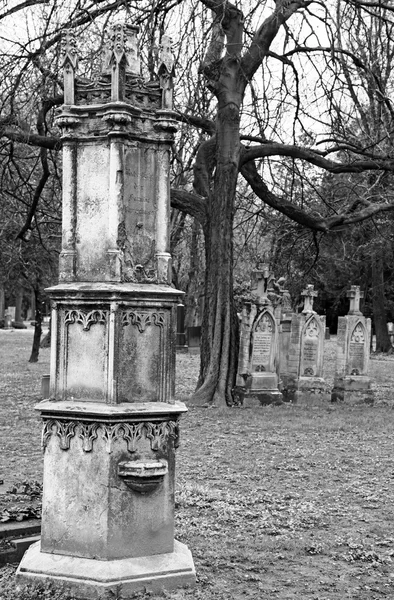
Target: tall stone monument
(302, 362)
(352, 383)
(110, 427)
(257, 379)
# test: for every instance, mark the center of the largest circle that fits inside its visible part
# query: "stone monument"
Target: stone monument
(111, 425)
(302, 362)
(351, 382)
(257, 379)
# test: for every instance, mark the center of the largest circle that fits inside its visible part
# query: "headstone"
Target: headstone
(111, 424)
(2, 304)
(301, 368)
(11, 312)
(181, 345)
(352, 383)
(257, 379)
(194, 339)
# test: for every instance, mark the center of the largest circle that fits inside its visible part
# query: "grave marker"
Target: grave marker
(352, 383)
(111, 425)
(301, 369)
(257, 380)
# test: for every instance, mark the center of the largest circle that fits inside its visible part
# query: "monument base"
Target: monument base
(354, 389)
(311, 390)
(90, 578)
(252, 398)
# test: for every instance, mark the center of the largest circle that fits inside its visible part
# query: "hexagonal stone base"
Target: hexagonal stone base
(93, 579)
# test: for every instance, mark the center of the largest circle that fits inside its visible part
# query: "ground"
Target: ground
(284, 502)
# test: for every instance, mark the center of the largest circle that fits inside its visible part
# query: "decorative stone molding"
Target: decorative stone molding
(358, 334)
(265, 323)
(312, 328)
(157, 433)
(86, 319)
(142, 319)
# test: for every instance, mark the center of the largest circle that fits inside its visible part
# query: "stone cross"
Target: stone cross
(309, 294)
(260, 281)
(355, 295)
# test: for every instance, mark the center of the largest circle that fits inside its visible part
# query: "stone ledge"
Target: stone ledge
(89, 578)
(126, 410)
(110, 289)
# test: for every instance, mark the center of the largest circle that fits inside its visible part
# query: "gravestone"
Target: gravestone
(352, 383)
(181, 345)
(302, 360)
(257, 379)
(11, 312)
(194, 339)
(111, 424)
(2, 304)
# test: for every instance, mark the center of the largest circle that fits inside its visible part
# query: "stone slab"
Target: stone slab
(89, 578)
(116, 411)
(19, 528)
(253, 399)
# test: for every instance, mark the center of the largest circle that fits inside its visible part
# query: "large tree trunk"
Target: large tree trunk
(219, 341)
(383, 343)
(37, 328)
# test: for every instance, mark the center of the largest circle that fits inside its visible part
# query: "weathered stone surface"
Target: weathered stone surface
(91, 578)
(301, 361)
(352, 360)
(110, 427)
(257, 379)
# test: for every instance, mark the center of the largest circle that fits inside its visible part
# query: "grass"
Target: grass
(284, 502)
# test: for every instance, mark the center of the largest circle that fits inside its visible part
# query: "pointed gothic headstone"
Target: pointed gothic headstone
(352, 383)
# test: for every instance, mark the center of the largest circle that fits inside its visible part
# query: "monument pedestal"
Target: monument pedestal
(90, 578)
(311, 390)
(354, 389)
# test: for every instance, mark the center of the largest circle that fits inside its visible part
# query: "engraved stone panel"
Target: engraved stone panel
(356, 357)
(310, 348)
(92, 213)
(141, 357)
(263, 339)
(86, 351)
(138, 238)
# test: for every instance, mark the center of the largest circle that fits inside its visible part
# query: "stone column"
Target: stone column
(111, 424)
(352, 383)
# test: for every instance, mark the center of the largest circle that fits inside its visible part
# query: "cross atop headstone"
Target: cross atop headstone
(355, 295)
(260, 281)
(309, 294)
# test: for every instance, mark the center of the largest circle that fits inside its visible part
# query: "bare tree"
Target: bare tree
(252, 83)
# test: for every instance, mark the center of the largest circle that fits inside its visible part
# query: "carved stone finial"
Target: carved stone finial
(309, 294)
(69, 62)
(355, 295)
(121, 56)
(166, 71)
